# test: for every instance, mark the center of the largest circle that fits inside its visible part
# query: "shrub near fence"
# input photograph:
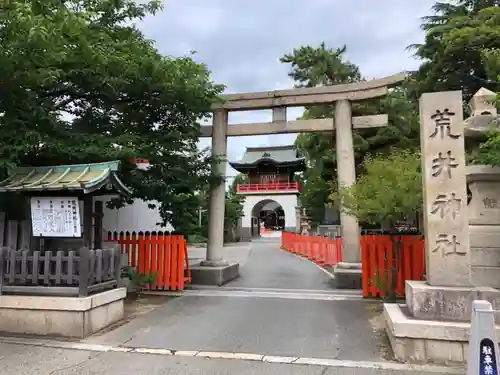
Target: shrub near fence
(376, 258)
(61, 273)
(162, 254)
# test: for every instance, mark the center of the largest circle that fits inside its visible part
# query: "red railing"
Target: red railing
(376, 263)
(376, 258)
(281, 186)
(321, 250)
(165, 255)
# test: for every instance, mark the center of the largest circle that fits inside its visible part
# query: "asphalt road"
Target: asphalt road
(268, 267)
(271, 326)
(279, 326)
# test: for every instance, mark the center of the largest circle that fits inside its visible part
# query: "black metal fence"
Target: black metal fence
(62, 273)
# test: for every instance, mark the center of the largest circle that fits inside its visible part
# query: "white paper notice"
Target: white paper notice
(55, 217)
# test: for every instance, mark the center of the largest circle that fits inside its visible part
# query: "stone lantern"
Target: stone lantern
(484, 185)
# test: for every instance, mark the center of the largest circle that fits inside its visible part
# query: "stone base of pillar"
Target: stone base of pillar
(447, 303)
(214, 272)
(425, 341)
(214, 263)
(347, 276)
(433, 326)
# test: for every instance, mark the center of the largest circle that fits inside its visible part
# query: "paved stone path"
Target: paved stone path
(268, 267)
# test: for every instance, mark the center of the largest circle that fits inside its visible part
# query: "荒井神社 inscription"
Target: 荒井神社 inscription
(442, 122)
(445, 195)
(443, 163)
(446, 204)
(447, 244)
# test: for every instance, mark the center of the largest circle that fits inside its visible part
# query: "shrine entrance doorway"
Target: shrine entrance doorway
(268, 216)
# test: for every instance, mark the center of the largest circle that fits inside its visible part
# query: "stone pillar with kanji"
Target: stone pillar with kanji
(444, 189)
(434, 324)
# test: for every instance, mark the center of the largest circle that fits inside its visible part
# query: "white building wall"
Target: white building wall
(287, 201)
(135, 217)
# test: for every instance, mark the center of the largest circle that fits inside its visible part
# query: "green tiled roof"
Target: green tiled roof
(278, 154)
(281, 156)
(85, 178)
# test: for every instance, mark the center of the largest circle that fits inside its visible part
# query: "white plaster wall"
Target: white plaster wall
(134, 217)
(288, 202)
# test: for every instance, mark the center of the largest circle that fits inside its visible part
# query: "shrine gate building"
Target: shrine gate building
(271, 193)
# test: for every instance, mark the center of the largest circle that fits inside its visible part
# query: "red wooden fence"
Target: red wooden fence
(376, 263)
(321, 250)
(163, 254)
(376, 258)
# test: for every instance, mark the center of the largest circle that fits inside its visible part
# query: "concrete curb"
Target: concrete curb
(324, 362)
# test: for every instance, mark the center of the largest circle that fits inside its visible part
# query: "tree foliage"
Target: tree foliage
(389, 190)
(488, 152)
(80, 83)
(233, 209)
(234, 205)
(458, 35)
(462, 52)
(491, 61)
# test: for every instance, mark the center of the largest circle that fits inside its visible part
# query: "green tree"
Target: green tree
(390, 190)
(233, 210)
(80, 83)
(491, 61)
(316, 66)
(452, 55)
(462, 52)
(488, 152)
(234, 206)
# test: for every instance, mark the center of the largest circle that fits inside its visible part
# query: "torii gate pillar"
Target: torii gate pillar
(348, 272)
(215, 270)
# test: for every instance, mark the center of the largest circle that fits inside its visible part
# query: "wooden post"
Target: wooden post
(118, 264)
(83, 274)
(88, 221)
(3, 256)
(98, 214)
(3, 225)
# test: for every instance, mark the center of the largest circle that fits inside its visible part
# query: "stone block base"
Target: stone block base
(347, 276)
(61, 316)
(447, 303)
(426, 341)
(201, 275)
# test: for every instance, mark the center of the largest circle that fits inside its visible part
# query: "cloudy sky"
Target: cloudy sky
(242, 41)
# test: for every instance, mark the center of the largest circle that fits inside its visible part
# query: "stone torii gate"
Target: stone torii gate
(215, 269)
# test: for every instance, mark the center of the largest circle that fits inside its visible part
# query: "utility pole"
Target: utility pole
(200, 211)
